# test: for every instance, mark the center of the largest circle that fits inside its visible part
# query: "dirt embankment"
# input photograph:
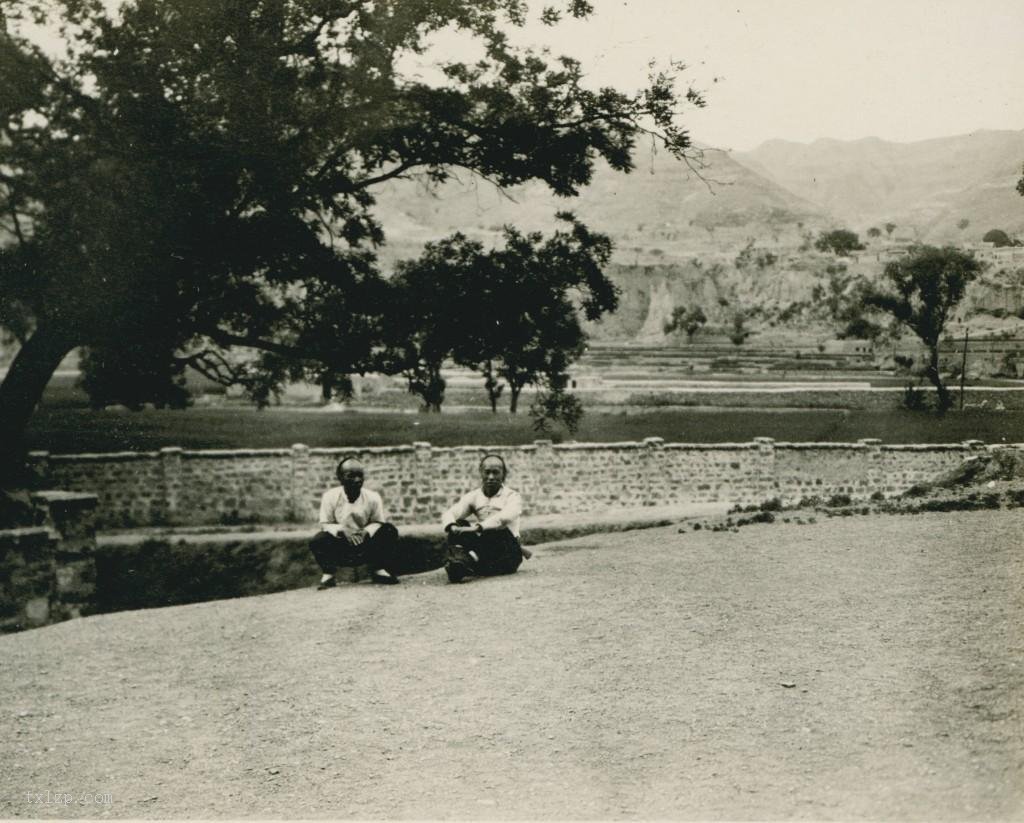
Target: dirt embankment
(859, 668)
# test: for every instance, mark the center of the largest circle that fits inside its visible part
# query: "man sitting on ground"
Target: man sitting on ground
(353, 530)
(490, 545)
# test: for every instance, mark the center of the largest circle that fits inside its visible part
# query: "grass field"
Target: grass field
(64, 424)
(69, 430)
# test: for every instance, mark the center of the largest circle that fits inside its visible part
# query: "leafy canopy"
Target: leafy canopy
(512, 313)
(197, 176)
(838, 241)
(923, 289)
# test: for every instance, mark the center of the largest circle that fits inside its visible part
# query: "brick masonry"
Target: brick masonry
(418, 481)
(48, 573)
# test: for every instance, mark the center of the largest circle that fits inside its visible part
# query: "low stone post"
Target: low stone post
(540, 498)
(652, 460)
(71, 517)
(170, 469)
(766, 478)
(874, 469)
(423, 506)
(301, 496)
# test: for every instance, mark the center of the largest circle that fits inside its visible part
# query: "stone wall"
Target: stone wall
(48, 573)
(418, 481)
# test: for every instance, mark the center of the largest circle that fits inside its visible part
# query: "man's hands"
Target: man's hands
(355, 537)
(456, 529)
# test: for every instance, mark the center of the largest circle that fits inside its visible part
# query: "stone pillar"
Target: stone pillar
(874, 469)
(26, 578)
(651, 461)
(170, 468)
(541, 500)
(302, 497)
(766, 480)
(71, 516)
(424, 509)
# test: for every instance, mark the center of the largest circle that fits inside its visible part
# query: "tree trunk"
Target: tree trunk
(932, 372)
(514, 389)
(20, 393)
(493, 386)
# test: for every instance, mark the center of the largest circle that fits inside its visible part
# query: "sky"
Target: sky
(799, 70)
(901, 70)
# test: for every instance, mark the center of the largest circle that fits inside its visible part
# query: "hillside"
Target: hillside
(925, 187)
(663, 209)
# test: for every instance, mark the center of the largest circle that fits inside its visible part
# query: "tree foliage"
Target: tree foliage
(512, 313)
(998, 238)
(201, 172)
(689, 320)
(838, 241)
(923, 289)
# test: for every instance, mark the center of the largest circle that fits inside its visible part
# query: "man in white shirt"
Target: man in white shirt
(353, 529)
(488, 544)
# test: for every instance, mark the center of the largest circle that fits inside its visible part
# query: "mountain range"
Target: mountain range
(926, 188)
(663, 209)
(679, 230)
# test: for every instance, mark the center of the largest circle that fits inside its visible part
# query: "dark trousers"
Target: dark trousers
(498, 549)
(377, 552)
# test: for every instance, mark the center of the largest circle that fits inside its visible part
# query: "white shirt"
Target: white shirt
(499, 512)
(338, 514)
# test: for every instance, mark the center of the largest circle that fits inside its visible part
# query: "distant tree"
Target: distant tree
(155, 379)
(1020, 183)
(739, 332)
(924, 288)
(998, 237)
(553, 402)
(542, 288)
(838, 241)
(429, 296)
(890, 228)
(688, 320)
(874, 232)
(860, 328)
(746, 256)
(511, 313)
(963, 223)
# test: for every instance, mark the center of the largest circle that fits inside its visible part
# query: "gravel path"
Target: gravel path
(859, 668)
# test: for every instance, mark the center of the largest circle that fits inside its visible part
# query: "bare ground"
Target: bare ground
(858, 668)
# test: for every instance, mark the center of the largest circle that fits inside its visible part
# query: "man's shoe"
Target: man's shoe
(384, 579)
(329, 583)
(456, 571)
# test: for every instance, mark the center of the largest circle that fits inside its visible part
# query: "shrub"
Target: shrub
(914, 399)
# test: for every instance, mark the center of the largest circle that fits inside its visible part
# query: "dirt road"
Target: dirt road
(864, 667)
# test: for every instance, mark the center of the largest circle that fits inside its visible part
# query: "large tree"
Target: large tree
(923, 289)
(197, 176)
